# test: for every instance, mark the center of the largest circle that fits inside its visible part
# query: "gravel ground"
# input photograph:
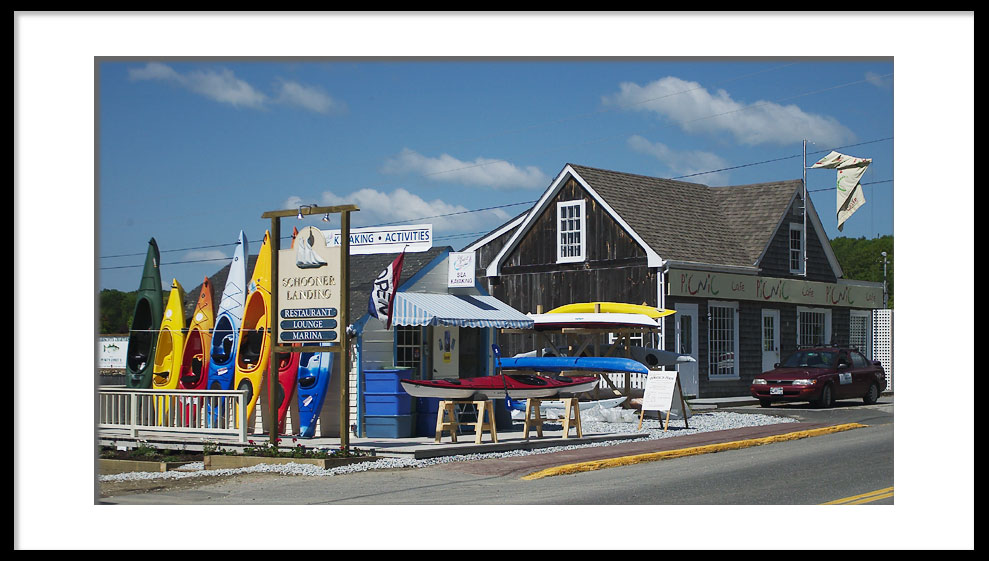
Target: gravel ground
(699, 422)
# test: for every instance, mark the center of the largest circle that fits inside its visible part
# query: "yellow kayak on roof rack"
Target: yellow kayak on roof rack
(612, 308)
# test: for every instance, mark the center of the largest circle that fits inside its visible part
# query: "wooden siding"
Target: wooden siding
(776, 261)
(606, 239)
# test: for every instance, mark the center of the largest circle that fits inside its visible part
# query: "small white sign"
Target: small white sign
(461, 270)
(660, 386)
(385, 239)
(113, 352)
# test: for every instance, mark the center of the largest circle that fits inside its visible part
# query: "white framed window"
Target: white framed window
(797, 249)
(408, 345)
(571, 232)
(722, 336)
(813, 327)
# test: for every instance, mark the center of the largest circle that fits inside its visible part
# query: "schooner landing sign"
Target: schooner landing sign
(706, 284)
(308, 290)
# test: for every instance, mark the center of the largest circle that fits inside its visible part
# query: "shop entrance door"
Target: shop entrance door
(686, 341)
(770, 339)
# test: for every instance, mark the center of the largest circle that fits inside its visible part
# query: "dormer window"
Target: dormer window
(571, 232)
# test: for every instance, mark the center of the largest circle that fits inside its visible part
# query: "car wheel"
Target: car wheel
(765, 403)
(827, 398)
(872, 396)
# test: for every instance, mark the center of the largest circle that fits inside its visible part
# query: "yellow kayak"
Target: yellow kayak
(612, 308)
(168, 353)
(252, 346)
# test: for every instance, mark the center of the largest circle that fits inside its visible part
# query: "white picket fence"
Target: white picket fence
(636, 380)
(209, 412)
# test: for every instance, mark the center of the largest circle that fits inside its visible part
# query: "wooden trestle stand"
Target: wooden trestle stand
(534, 418)
(446, 419)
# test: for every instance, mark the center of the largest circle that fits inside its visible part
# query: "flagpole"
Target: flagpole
(804, 235)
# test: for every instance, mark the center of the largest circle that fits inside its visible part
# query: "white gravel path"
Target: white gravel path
(699, 422)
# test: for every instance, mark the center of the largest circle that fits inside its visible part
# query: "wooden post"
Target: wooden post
(344, 324)
(273, 332)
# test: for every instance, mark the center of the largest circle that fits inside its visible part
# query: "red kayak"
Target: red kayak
(519, 386)
(288, 372)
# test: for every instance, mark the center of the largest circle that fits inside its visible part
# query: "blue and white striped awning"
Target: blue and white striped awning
(416, 308)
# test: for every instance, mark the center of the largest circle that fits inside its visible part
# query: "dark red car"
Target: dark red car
(821, 375)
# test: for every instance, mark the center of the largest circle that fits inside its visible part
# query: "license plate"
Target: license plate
(776, 390)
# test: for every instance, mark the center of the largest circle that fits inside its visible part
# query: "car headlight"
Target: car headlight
(759, 381)
(805, 382)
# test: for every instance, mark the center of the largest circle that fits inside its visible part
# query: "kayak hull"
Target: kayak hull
(516, 386)
(229, 315)
(572, 363)
(145, 323)
(171, 342)
(253, 345)
(168, 353)
(288, 374)
(313, 380)
(195, 364)
(612, 308)
(592, 320)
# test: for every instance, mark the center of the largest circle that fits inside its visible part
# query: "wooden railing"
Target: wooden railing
(212, 412)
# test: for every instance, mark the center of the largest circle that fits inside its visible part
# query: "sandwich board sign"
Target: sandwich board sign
(663, 394)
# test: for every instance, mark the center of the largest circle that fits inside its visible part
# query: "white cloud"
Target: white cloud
(223, 86)
(307, 97)
(684, 162)
(696, 110)
(875, 79)
(485, 172)
(218, 85)
(404, 207)
(205, 255)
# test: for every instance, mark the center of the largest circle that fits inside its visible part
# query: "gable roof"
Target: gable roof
(683, 222)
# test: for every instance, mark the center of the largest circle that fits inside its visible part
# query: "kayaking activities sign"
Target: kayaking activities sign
(308, 289)
(411, 238)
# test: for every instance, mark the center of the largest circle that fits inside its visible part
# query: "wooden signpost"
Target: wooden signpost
(663, 394)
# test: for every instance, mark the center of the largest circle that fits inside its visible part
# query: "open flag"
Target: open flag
(382, 298)
(850, 171)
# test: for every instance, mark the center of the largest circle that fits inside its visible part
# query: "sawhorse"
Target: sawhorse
(448, 408)
(534, 418)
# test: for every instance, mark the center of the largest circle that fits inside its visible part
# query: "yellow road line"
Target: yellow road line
(864, 497)
(669, 454)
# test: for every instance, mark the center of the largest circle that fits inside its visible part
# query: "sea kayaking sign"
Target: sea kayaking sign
(308, 290)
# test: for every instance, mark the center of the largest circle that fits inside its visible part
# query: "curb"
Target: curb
(682, 452)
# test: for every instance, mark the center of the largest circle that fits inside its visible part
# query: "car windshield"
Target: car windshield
(814, 359)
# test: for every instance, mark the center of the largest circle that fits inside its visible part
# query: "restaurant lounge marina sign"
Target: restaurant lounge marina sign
(308, 289)
(707, 284)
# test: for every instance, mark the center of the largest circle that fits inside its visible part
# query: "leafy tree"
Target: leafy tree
(116, 310)
(862, 259)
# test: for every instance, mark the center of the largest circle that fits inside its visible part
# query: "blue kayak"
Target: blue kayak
(223, 347)
(315, 370)
(574, 363)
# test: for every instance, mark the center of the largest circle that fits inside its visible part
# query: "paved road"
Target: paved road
(500, 480)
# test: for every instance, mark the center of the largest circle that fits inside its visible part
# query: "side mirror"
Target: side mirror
(776, 365)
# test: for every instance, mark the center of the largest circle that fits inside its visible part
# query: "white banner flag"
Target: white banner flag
(382, 299)
(850, 171)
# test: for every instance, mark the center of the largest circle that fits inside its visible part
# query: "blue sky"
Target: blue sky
(191, 151)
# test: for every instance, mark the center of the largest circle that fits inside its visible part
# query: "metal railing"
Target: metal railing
(175, 411)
